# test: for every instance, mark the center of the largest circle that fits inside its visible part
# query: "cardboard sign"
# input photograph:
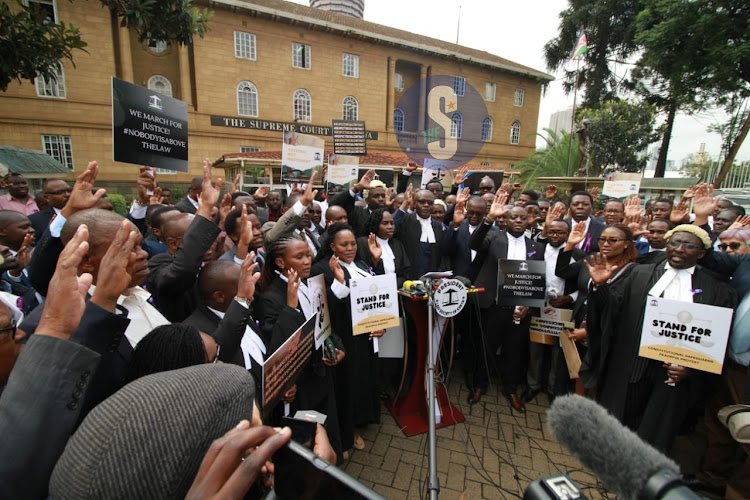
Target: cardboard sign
(349, 137)
(621, 185)
(148, 128)
(342, 173)
(301, 155)
(685, 333)
(317, 286)
(374, 303)
(546, 328)
(521, 282)
(283, 367)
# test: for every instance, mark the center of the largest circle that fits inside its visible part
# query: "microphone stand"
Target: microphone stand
(434, 482)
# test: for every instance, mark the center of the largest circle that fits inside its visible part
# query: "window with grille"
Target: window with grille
(249, 149)
(300, 55)
(399, 82)
(457, 125)
(350, 65)
(53, 86)
(157, 46)
(486, 164)
(398, 120)
(244, 45)
(518, 97)
(160, 84)
(489, 91)
(59, 148)
(247, 99)
(350, 108)
(302, 106)
(459, 85)
(515, 132)
(487, 129)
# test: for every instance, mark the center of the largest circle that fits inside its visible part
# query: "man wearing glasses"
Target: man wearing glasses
(56, 192)
(18, 198)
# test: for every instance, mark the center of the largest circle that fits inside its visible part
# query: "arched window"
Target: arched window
(487, 129)
(399, 82)
(160, 84)
(247, 99)
(302, 106)
(457, 125)
(349, 108)
(515, 132)
(398, 120)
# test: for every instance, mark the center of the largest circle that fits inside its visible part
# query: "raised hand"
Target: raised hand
(599, 269)
(375, 249)
(460, 176)
(116, 268)
(336, 269)
(364, 182)
(224, 208)
(210, 194)
(66, 298)
(411, 166)
(146, 183)
(23, 257)
(309, 195)
(81, 197)
(463, 196)
(550, 192)
(595, 192)
(292, 288)
(741, 222)
(408, 203)
(497, 209)
(155, 199)
(632, 206)
(556, 212)
(246, 234)
(689, 192)
(388, 197)
(261, 194)
(235, 183)
(680, 212)
(459, 213)
(635, 224)
(577, 235)
(704, 202)
(248, 277)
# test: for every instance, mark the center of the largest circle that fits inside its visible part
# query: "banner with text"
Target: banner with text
(374, 303)
(349, 137)
(685, 333)
(317, 286)
(521, 283)
(342, 173)
(148, 128)
(546, 328)
(283, 367)
(301, 155)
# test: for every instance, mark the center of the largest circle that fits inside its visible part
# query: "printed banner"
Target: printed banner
(621, 185)
(685, 333)
(301, 155)
(317, 286)
(342, 173)
(283, 367)
(546, 328)
(521, 283)
(349, 137)
(374, 303)
(148, 128)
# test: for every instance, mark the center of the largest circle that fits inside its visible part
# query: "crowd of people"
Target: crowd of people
(131, 347)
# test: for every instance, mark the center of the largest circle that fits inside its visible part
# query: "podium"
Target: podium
(411, 411)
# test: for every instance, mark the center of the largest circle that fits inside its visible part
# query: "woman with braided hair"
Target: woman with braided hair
(393, 259)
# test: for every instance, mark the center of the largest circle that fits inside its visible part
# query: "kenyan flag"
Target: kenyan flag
(581, 48)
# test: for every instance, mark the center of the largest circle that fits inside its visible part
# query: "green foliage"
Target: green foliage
(552, 161)
(620, 132)
(119, 203)
(30, 45)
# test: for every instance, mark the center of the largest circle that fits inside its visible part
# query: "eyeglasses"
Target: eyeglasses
(609, 241)
(475, 214)
(11, 329)
(735, 245)
(559, 233)
(684, 244)
(59, 191)
(216, 358)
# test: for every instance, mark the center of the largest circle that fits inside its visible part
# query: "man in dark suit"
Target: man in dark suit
(189, 204)
(506, 327)
(581, 204)
(375, 195)
(421, 236)
(56, 192)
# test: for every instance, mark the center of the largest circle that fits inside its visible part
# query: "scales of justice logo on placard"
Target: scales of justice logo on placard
(450, 297)
(441, 120)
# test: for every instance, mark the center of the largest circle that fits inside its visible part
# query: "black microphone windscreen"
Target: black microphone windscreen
(621, 459)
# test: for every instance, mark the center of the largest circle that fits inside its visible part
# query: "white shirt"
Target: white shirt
(588, 223)
(428, 234)
(142, 315)
(516, 247)
(252, 345)
(193, 202)
(675, 284)
(550, 263)
(303, 294)
(340, 290)
(309, 241)
(388, 258)
(471, 231)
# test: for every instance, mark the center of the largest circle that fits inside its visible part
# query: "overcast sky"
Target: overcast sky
(518, 31)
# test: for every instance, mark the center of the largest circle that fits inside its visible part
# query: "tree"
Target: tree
(620, 132)
(552, 161)
(609, 26)
(32, 44)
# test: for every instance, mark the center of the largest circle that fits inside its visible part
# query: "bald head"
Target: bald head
(8, 217)
(102, 225)
(176, 226)
(218, 282)
(335, 214)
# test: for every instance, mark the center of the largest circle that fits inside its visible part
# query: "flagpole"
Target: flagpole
(573, 117)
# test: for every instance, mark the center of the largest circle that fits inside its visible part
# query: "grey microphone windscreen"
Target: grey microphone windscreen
(621, 459)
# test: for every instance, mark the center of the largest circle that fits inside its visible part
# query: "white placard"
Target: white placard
(374, 302)
(621, 185)
(317, 286)
(688, 334)
(301, 155)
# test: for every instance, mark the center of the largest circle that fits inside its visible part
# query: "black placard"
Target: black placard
(521, 282)
(148, 128)
(349, 137)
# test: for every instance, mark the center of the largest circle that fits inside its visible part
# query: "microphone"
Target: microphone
(626, 464)
(414, 286)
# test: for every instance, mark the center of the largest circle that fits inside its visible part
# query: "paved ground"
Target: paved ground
(495, 454)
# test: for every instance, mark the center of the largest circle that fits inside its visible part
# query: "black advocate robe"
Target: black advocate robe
(632, 388)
